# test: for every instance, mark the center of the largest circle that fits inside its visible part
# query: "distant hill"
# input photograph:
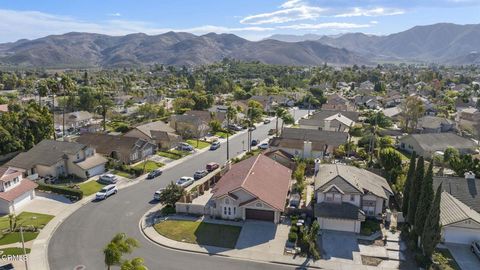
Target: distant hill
(439, 43)
(96, 50)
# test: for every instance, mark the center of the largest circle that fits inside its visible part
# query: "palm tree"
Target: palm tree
(120, 244)
(135, 264)
(67, 85)
(279, 113)
(231, 114)
(42, 90)
(287, 119)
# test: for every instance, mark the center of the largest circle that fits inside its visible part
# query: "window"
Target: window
(78, 155)
(352, 198)
(229, 211)
(227, 201)
(329, 197)
(234, 210)
(225, 210)
(258, 204)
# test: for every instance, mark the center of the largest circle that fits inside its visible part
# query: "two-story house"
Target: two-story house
(59, 158)
(15, 191)
(346, 195)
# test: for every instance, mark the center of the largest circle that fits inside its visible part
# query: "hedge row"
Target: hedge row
(76, 194)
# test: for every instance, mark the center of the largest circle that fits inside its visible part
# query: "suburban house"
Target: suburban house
(459, 208)
(427, 144)
(194, 124)
(15, 191)
(434, 124)
(469, 120)
(158, 133)
(337, 102)
(59, 158)
(346, 195)
(368, 101)
(74, 120)
(394, 112)
(330, 120)
(125, 149)
(255, 188)
(308, 143)
(282, 157)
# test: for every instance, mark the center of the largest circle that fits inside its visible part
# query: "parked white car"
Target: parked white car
(185, 181)
(108, 178)
(263, 146)
(106, 191)
(156, 195)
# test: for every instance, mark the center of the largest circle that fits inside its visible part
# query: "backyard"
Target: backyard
(200, 233)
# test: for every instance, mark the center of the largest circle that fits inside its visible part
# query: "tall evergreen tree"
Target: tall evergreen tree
(425, 201)
(431, 231)
(408, 184)
(415, 189)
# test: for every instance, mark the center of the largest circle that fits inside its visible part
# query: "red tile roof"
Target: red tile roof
(24, 186)
(8, 173)
(260, 176)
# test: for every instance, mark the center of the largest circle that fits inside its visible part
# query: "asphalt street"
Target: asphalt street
(80, 239)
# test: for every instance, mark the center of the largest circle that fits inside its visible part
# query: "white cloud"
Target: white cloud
(292, 10)
(16, 25)
(116, 14)
(327, 25)
(371, 12)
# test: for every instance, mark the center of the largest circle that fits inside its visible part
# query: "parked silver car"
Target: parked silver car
(106, 191)
(108, 178)
(185, 181)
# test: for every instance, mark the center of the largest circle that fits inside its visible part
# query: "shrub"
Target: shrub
(294, 229)
(292, 237)
(168, 210)
(69, 192)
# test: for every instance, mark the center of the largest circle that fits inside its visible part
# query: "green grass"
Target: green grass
(149, 165)
(179, 152)
(122, 173)
(200, 233)
(13, 251)
(369, 226)
(168, 154)
(223, 134)
(26, 219)
(91, 187)
(201, 144)
(15, 237)
(445, 260)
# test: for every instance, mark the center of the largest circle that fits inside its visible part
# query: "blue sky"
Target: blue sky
(251, 19)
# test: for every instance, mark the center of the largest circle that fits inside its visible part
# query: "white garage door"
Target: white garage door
(96, 170)
(337, 224)
(460, 235)
(22, 200)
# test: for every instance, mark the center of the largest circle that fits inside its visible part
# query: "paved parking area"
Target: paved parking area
(262, 236)
(464, 256)
(339, 245)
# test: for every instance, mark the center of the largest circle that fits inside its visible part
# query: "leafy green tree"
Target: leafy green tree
(425, 201)
(412, 110)
(287, 119)
(182, 104)
(215, 126)
(415, 189)
(120, 244)
(87, 99)
(255, 110)
(104, 105)
(408, 184)
(134, 264)
(279, 113)
(432, 229)
(171, 194)
(112, 255)
(450, 154)
(390, 159)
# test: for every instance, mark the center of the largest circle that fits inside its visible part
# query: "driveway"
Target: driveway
(339, 245)
(262, 237)
(464, 256)
(46, 203)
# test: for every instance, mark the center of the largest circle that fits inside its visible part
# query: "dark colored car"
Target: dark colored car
(212, 166)
(154, 174)
(254, 142)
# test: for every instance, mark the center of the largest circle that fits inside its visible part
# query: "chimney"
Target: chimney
(469, 175)
(307, 149)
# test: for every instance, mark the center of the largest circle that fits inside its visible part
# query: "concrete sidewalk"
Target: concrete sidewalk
(264, 256)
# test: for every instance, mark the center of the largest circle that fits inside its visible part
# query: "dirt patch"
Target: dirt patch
(371, 261)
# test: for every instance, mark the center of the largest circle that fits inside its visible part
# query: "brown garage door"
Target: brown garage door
(259, 214)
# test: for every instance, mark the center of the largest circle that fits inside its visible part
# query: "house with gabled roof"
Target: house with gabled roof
(255, 188)
(346, 195)
(156, 132)
(15, 191)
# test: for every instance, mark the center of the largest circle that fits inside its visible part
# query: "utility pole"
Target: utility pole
(23, 247)
(228, 143)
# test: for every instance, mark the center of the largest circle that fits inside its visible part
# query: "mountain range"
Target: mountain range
(439, 43)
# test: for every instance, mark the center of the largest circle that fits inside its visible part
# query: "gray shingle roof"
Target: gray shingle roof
(465, 190)
(46, 152)
(441, 141)
(342, 210)
(360, 179)
(154, 126)
(331, 138)
(321, 115)
(452, 210)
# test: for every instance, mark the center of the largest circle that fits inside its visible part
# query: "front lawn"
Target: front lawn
(201, 144)
(27, 219)
(15, 237)
(121, 173)
(223, 134)
(148, 165)
(444, 259)
(173, 154)
(369, 226)
(200, 233)
(90, 187)
(13, 251)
